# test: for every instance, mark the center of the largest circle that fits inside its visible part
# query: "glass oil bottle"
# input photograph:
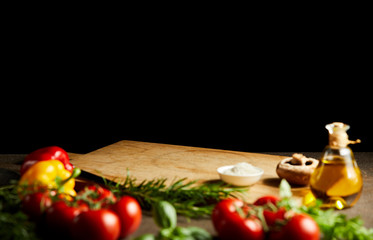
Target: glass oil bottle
(337, 179)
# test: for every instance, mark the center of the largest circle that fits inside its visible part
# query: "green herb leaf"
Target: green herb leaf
(199, 233)
(285, 189)
(14, 224)
(332, 224)
(189, 199)
(147, 236)
(164, 214)
(336, 226)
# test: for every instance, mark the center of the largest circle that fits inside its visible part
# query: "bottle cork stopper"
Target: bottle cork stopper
(337, 135)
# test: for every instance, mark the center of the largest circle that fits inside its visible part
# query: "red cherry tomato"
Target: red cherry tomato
(96, 225)
(301, 227)
(231, 225)
(276, 234)
(266, 199)
(35, 204)
(129, 212)
(59, 216)
(272, 216)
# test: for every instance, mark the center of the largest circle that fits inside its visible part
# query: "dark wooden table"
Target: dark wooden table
(10, 164)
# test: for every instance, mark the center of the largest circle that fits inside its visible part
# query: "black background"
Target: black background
(251, 87)
(255, 115)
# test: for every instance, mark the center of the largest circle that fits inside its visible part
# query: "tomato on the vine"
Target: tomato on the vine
(230, 224)
(267, 218)
(301, 227)
(96, 225)
(272, 216)
(95, 194)
(60, 216)
(129, 213)
(102, 193)
(35, 204)
(266, 199)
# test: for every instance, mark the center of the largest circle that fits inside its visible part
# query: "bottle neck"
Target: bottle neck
(338, 137)
(338, 154)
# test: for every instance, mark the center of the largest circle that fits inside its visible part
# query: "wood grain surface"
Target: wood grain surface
(153, 160)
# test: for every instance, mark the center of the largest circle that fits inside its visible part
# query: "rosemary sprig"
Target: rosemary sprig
(190, 199)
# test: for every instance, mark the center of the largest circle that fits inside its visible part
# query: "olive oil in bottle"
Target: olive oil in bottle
(337, 179)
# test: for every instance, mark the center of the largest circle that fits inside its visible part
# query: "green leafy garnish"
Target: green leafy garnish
(14, 224)
(165, 217)
(285, 190)
(285, 195)
(333, 224)
(190, 199)
(336, 226)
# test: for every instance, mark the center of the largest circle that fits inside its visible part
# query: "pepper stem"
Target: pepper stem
(76, 172)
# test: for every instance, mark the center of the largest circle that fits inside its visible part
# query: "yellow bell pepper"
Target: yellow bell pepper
(50, 174)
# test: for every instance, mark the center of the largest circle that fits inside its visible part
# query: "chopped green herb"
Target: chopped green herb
(189, 199)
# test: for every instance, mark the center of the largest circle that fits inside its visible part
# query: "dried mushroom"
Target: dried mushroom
(297, 169)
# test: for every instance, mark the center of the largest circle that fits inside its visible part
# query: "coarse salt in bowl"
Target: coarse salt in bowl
(241, 174)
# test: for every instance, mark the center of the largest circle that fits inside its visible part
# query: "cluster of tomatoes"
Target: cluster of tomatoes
(95, 213)
(264, 219)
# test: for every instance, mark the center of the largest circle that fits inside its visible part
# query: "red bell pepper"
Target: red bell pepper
(47, 153)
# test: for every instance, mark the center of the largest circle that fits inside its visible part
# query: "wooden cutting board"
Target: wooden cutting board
(153, 160)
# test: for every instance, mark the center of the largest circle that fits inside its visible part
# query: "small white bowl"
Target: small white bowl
(246, 180)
